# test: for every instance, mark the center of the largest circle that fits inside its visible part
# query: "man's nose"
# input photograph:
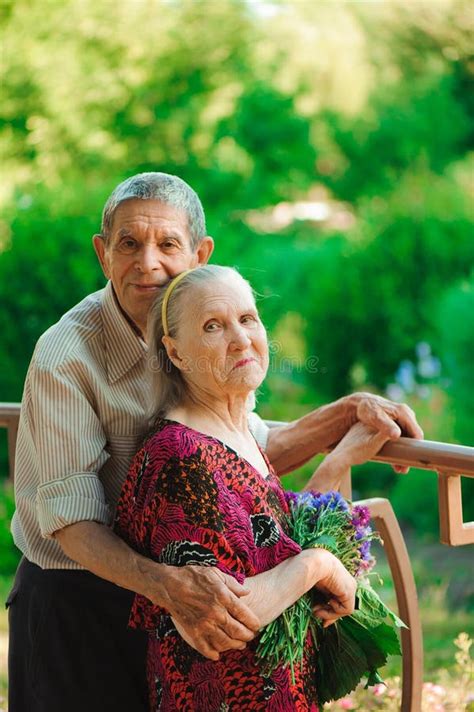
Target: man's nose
(149, 259)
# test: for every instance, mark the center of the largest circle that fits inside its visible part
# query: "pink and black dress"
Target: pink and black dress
(191, 499)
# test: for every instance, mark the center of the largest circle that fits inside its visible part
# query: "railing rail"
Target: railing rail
(424, 454)
(449, 461)
(9, 417)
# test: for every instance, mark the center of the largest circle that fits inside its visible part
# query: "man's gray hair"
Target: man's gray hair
(167, 189)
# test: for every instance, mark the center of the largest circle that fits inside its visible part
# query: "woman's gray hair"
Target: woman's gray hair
(168, 387)
(167, 189)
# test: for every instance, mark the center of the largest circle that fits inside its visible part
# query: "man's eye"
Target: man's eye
(128, 244)
(169, 245)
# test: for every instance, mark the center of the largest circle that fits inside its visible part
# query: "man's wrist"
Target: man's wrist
(153, 578)
(349, 407)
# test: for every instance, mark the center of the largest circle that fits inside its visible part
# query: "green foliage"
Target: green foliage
(456, 326)
(47, 267)
(256, 111)
(9, 554)
(402, 125)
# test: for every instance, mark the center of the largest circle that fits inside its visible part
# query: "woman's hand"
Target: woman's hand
(357, 446)
(337, 585)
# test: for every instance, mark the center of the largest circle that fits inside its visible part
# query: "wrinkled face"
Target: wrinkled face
(221, 346)
(149, 244)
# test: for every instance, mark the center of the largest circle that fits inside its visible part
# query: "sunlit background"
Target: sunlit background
(332, 146)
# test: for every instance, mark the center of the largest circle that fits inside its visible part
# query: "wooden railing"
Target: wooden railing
(450, 462)
(9, 417)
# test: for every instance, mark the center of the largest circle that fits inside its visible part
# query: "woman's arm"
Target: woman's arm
(360, 444)
(291, 445)
(273, 591)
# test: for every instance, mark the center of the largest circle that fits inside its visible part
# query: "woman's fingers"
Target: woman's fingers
(327, 616)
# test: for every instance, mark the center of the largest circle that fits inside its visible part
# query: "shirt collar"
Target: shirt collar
(123, 346)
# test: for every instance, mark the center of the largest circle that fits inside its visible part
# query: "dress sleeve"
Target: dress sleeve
(58, 421)
(169, 512)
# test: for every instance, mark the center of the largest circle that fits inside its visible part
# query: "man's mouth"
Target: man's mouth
(147, 287)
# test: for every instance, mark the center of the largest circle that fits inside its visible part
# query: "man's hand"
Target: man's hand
(207, 609)
(390, 419)
(207, 605)
(292, 444)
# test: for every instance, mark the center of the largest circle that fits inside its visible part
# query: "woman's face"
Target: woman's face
(221, 345)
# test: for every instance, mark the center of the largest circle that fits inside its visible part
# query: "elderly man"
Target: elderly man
(83, 410)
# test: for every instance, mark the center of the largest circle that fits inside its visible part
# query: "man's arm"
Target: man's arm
(204, 601)
(291, 445)
(71, 508)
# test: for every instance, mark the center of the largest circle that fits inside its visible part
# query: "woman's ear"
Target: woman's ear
(170, 345)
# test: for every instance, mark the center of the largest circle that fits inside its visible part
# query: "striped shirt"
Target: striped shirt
(82, 417)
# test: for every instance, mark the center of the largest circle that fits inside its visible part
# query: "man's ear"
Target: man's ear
(173, 355)
(205, 250)
(100, 250)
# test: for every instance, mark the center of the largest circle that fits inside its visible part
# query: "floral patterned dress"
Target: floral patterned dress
(191, 499)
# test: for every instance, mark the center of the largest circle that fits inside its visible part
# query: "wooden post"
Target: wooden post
(407, 600)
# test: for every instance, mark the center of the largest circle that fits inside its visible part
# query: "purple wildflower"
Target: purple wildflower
(364, 550)
(360, 516)
(291, 497)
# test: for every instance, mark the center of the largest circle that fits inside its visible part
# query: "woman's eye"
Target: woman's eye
(213, 326)
(248, 318)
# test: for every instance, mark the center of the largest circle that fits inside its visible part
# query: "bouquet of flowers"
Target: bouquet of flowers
(354, 646)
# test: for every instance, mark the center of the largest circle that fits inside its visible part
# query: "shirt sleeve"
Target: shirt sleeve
(69, 443)
(259, 429)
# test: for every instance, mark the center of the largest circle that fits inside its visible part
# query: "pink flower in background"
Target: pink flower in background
(347, 704)
(379, 689)
(436, 690)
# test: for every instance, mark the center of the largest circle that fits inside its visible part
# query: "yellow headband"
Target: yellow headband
(169, 289)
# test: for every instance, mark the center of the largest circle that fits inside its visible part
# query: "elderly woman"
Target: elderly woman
(201, 492)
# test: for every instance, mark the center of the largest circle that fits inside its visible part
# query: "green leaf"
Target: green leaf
(341, 663)
(373, 608)
(373, 679)
(327, 541)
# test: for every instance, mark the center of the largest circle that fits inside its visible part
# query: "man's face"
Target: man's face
(149, 244)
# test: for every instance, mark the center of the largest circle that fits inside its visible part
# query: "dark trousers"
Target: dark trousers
(70, 648)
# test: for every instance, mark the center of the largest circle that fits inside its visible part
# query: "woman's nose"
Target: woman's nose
(239, 337)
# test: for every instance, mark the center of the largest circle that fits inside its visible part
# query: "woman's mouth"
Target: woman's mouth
(243, 362)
